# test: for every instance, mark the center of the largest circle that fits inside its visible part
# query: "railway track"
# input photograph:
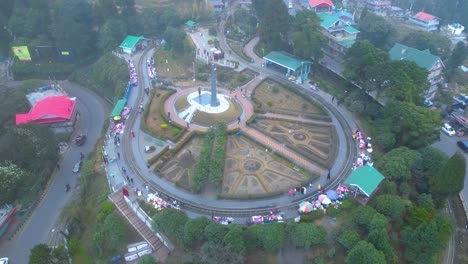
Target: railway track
(204, 209)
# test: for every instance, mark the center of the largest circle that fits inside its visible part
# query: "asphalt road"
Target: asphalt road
(449, 146)
(92, 111)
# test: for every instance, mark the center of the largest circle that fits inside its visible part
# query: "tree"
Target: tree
(459, 54)
(365, 253)
(437, 43)
(111, 34)
(360, 59)
(71, 26)
(171, 222)
(364, 215)
(271, 236)
(215, 233)
(194, 229)
(175, 37)
(432, 160)
(147, 259)
(425, 241)
(414, 126)
(116, 231)
(398, 163)
(349, 238)
(11, 178)
(42, 254)
(450, 179)
(305, 235)
(379, 238)
(391, 206)
(376, 30)
(273, 19)
(233, 240)
(308, 39)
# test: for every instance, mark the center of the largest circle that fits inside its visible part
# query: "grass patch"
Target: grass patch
(169, 66)
(271, 96)
(231, 115)
(157, 123)
(182, 103)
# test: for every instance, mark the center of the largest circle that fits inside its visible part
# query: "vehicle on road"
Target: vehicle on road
(447, 129)
(3, 260)
(77, 167)
(80, 139)
(463, 144)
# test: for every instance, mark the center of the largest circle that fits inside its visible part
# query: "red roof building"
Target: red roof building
(53, 109)
(425, 21)
(321, 5)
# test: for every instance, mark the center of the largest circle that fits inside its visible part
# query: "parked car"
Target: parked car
(77, 167)
(447, 129)
(463, 144)
(3, 260)
(80, 139)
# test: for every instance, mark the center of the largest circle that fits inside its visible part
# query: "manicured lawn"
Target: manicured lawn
(169, 66)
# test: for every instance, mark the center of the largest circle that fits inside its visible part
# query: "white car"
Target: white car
(447, 129)
(3, 260)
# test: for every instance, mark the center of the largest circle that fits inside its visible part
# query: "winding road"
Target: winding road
(38, 228)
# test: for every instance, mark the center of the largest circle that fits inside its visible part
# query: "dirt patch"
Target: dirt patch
(313, 141)
(179, 169)
(271, 96)
(249, 170)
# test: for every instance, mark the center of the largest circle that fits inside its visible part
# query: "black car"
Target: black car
(463, 144)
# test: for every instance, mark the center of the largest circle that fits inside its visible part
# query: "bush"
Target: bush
(275, 89)
(175, 131)
(163, 126)
(270, 103)
(390, 187)
(404, 189)
(312, 216)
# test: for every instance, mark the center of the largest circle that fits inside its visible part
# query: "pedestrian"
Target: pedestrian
(328, 176)
(290, 192)
(58, 166)
(147, 188)
(118, 139)
(338, 102)
(333, 98)
(128, 178)
(133, 133)
(294, 192)
(118, 155)
(310, 185)
(131, 180)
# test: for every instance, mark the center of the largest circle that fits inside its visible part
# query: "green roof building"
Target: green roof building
(424, 59)
(129, 44)
(292, 67)
(118, 108)
(341, 35)
(364, 181)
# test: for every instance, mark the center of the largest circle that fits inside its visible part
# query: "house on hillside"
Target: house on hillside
(363, 182)
(295, 69)
(218, 5)
(340, 34)
(321, 6)
(423, 58)
(56, 111)
(425, 21)
(131, 43)
(378, 6)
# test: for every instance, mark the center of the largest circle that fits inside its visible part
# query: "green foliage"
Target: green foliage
(379, 238)
(365, 253)
(360, 59)
(171, 222)
(392, 206)
(364, 215)
(215, 232)
(449, 181)
(194, 230)
(398, 163)
(349, 238)
(271, 236)
(115, 231)
(111, 34)
(421, 214)
(11, 178)
(389, 187)
(425, 200)
(312, 216)
(234, 240)
(108, 77)
(42, 254)
(432, 160)
(437, 43)
(305, 235)
(425, 241)
(376, 30)
(308, 39)
(459, 54)
(146, 259)
(273, 21)
(404, 189)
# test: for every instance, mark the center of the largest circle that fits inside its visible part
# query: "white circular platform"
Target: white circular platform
(201, 104)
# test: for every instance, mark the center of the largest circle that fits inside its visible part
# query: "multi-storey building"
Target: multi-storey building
(423, 58)
(425, 21)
